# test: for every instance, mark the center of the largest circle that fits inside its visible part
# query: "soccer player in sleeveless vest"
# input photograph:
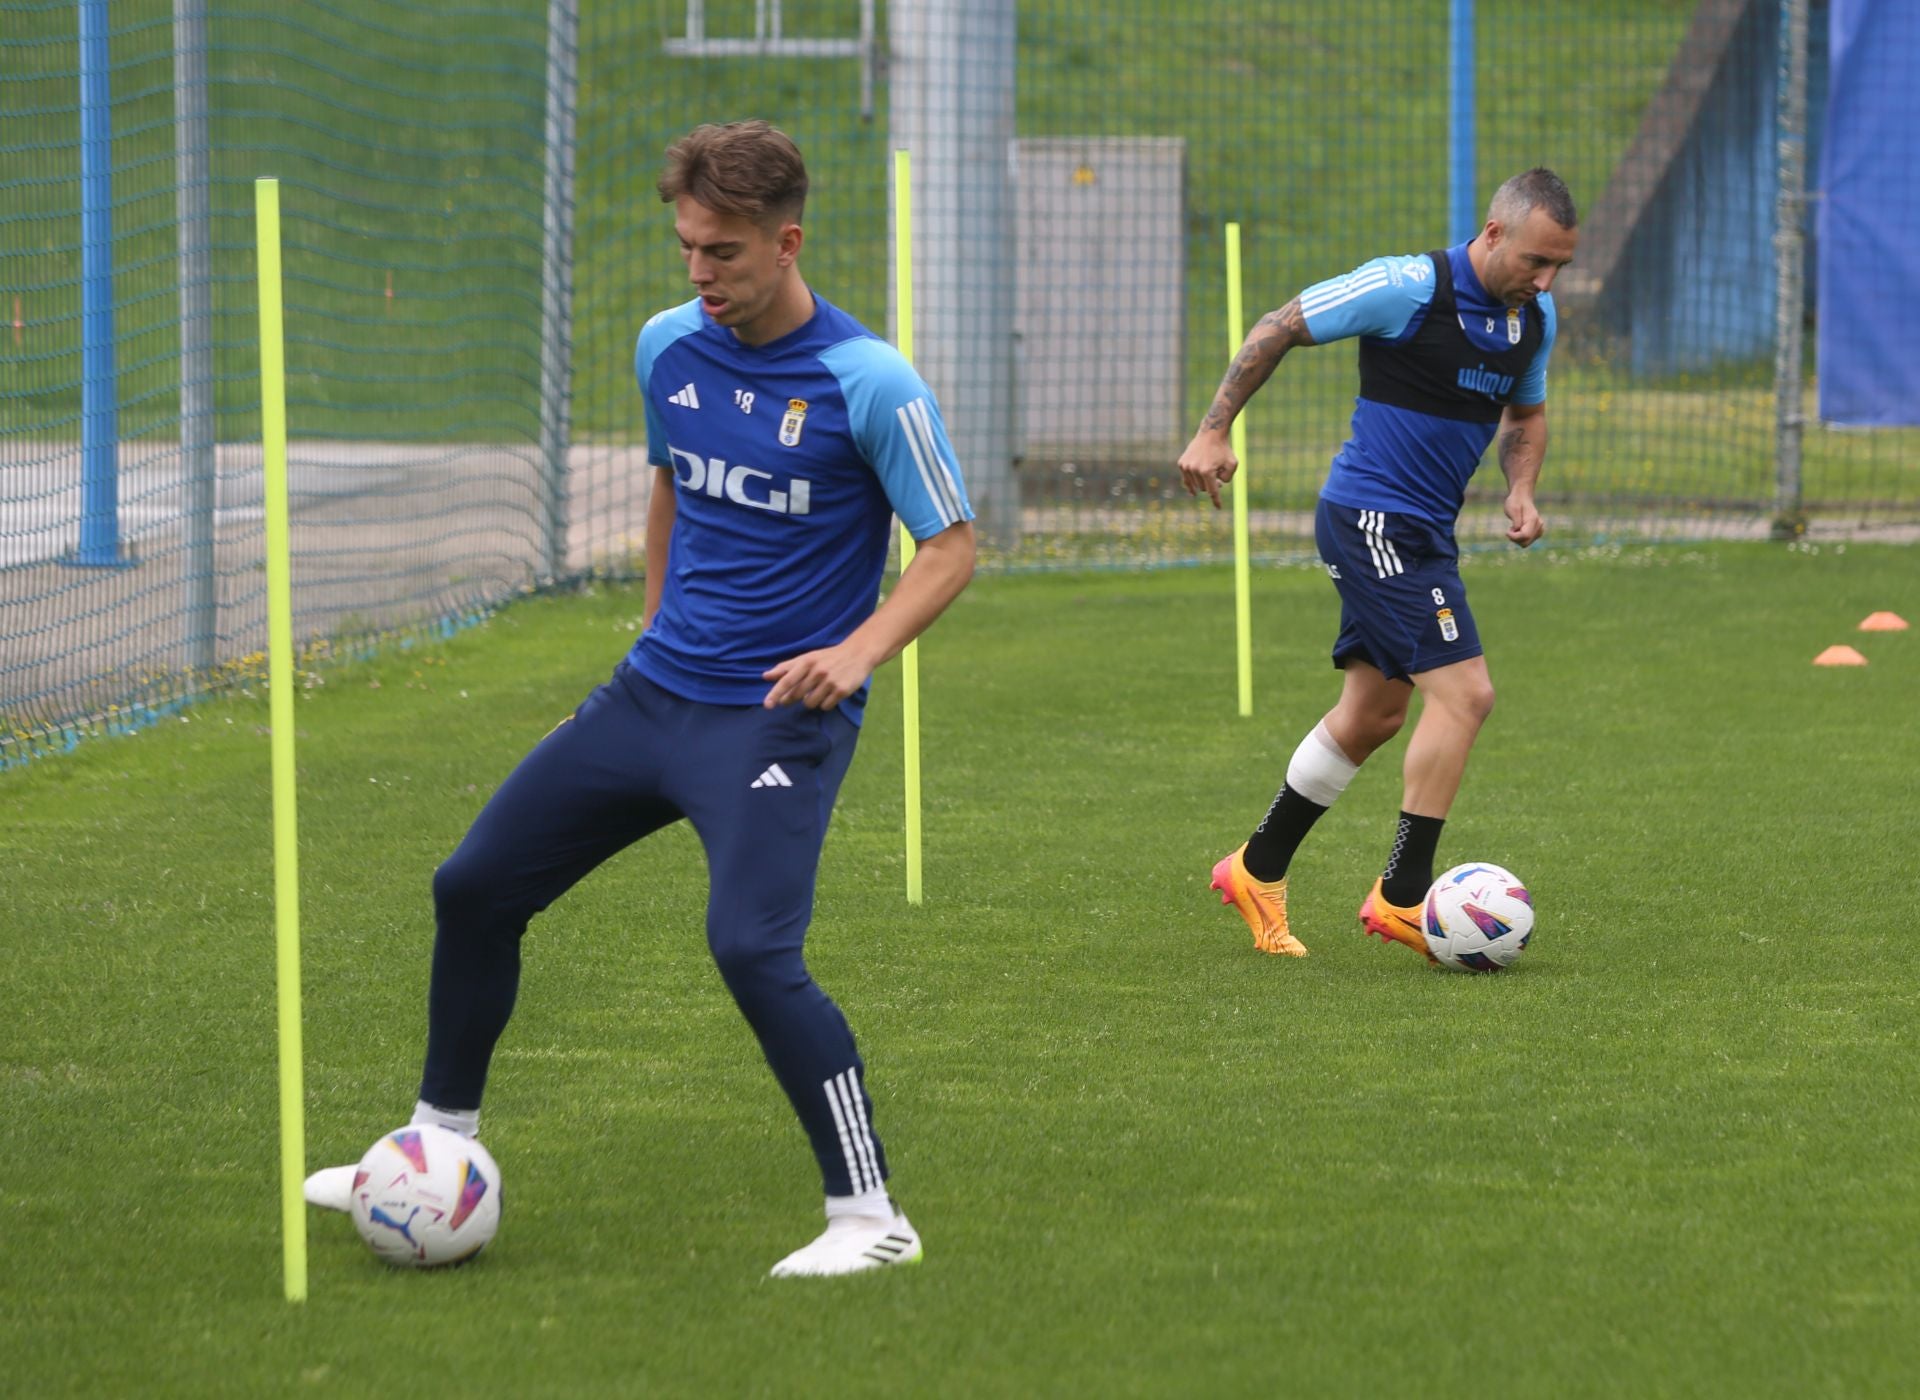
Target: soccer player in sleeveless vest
(784, 438)
(1453, 355)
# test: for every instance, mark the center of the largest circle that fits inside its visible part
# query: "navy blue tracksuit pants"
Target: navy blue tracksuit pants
(758, 786)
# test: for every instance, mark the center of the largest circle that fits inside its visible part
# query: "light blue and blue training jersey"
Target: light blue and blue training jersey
(790, 461)
(1416, 455)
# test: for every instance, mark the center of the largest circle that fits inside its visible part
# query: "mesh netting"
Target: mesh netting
(473, 241)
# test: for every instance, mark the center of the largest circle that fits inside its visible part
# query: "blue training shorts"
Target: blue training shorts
(1402, 606)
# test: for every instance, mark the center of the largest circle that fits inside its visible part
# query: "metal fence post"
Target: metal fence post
(192, 206)
(556, 275)
(951, 81)
(100, 381)
(1462, 208)
(1789, 250)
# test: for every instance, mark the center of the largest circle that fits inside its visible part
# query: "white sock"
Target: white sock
(875, 1203)
(464, 1121)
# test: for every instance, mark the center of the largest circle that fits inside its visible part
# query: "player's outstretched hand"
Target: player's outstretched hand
(1526, 525)
(817, 679)
(1207, 465)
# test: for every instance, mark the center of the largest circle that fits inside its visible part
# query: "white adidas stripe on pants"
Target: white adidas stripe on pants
(856, 1139)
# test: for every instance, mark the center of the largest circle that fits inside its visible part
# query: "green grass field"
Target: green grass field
(1671, 1153)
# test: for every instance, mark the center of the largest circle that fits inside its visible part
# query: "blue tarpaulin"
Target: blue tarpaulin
(1869, 246)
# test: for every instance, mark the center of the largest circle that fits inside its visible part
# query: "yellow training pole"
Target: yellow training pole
(286, 866)
(910, 658)
(903, 294)
(1242, 577)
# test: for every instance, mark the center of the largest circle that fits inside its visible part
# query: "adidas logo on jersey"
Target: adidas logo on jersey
(688, 397)
(775, 776)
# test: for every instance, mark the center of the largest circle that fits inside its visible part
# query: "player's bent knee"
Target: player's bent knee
(1473, 704)
(1378, 727)
(465, 881)
(1360, 729)
(753, 970)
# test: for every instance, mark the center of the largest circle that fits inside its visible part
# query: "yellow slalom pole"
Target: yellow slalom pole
(910, 658)
(1242, 576)
(286, 866)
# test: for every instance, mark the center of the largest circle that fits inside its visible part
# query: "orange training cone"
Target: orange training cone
(1884, 622)
(1839, 656)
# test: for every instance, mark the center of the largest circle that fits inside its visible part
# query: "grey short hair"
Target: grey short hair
(1538, 188)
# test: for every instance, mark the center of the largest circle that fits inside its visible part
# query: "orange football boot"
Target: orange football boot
(1392, 923)
(1262, 905)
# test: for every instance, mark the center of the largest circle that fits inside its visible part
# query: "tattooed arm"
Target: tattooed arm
(1209, 463)
(1522, 444)
(1276, 333)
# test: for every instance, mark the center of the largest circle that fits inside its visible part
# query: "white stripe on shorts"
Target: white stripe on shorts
(1386, 559)
(1366, 533)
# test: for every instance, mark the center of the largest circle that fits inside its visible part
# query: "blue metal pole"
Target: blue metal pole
(1463, 214)
(99, 390)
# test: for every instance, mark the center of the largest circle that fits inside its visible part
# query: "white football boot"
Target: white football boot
(331, 1188)
(853, 1244)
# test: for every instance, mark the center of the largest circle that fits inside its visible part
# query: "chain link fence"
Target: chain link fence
(473, 242)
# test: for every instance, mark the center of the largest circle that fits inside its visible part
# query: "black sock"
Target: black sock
(1270, 849)
(1410, 868)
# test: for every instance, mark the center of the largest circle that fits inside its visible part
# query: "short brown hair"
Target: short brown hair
(748, 168)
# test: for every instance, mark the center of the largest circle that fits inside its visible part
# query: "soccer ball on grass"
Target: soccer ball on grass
(424, 1196)
(1477, 918)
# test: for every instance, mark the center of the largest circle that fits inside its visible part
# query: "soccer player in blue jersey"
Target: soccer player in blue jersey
(1453, 355)
(784, 437)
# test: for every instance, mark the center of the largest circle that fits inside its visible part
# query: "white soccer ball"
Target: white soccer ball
(1478, 917)
(424, 1196)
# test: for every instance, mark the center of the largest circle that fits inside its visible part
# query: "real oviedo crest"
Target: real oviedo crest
(790, 425)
